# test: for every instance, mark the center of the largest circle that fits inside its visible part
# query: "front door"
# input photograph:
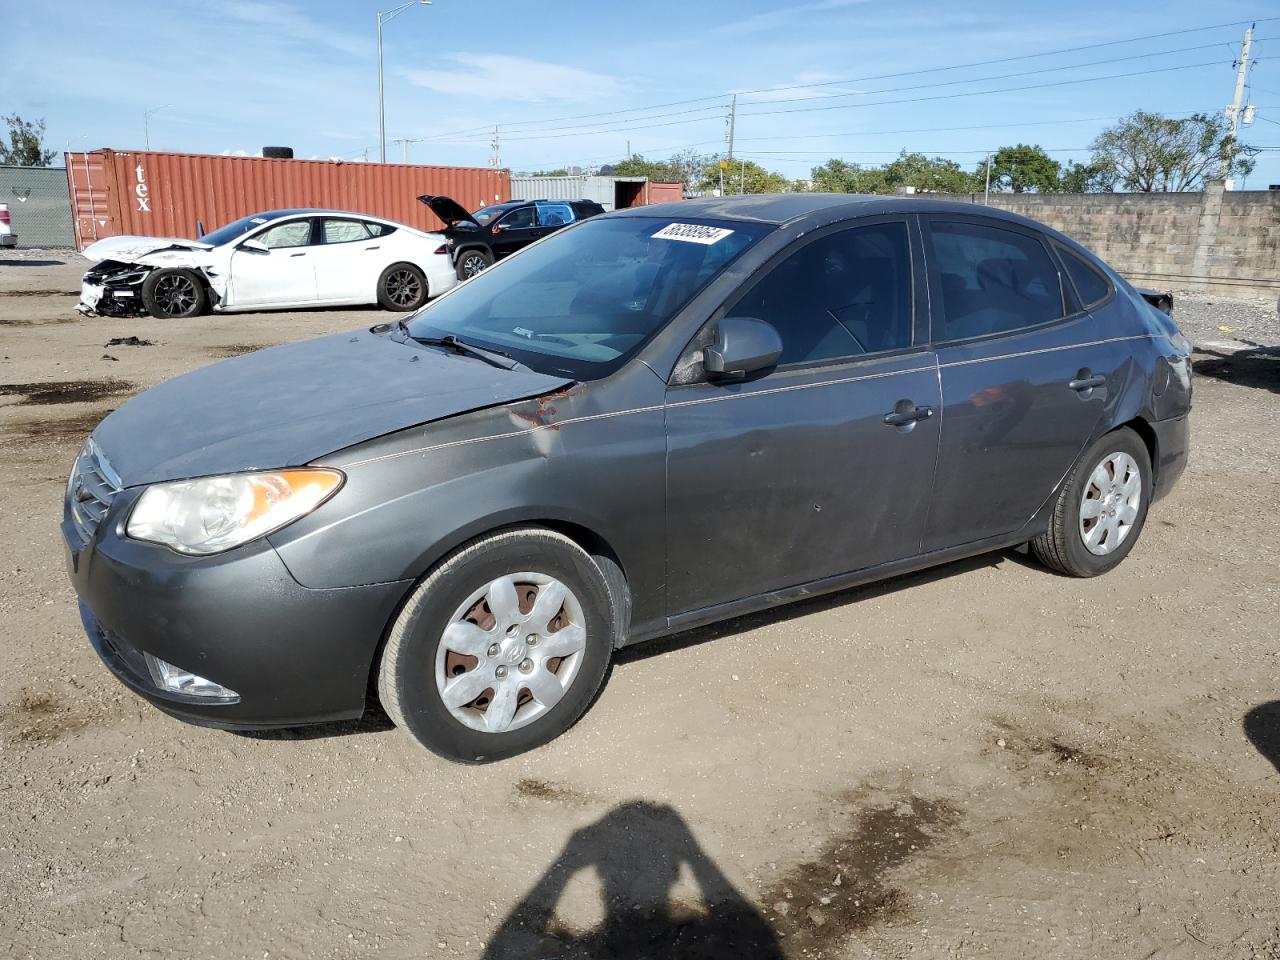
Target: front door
(823, 465)
(281, 275)
(1024, 378)
(513, 232)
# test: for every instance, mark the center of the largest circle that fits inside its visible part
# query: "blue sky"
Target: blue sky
(233, 75)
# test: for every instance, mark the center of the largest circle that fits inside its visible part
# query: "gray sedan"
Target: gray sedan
(655, 419)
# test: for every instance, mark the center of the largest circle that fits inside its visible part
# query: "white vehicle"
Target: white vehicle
(283, 258)
(7, 237)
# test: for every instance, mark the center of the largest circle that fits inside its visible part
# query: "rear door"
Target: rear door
(348, 261)
(282, 275)
(797, 475)
(1024, 376)
(552, 217)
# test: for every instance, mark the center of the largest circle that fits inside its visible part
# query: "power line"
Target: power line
(884, 76)
(1002, 76)
(980, 93)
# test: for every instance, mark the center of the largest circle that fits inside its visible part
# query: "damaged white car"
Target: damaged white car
(283, 258)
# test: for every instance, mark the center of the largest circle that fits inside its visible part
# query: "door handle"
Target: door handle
(1084, 381)
(297, 254)
(373, 248)
(905, 413)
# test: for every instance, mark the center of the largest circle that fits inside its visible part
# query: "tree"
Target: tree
(838, 176)
(637, 166)
(1087, 178)
(558, 172)
(26, 144)
(1022, 169)
(743, 176)
(1150, 153)
(685, 167)
(925, 174)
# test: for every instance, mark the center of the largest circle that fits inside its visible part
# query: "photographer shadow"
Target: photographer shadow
(638, 852)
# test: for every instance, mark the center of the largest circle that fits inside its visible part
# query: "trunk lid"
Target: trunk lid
(448, 209)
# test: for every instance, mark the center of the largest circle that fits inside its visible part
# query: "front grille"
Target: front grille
(92, 487)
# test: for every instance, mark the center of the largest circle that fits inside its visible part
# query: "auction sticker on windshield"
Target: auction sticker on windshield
(692, 233)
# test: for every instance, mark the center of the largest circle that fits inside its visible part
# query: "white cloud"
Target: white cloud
(513, 78)
(783, 16)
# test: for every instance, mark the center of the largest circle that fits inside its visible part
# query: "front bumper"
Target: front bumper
(105, 300)
(294, 655)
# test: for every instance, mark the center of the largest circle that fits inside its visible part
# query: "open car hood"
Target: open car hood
(289, 405)
(127, 249)
(448, 209)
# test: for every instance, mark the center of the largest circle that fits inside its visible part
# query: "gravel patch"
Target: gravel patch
(1216, 321)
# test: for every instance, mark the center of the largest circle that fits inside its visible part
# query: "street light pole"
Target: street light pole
(146, 123)
(382, 123)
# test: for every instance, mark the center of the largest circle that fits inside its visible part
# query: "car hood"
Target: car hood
(448, 209)
(289, 405)
(131, 248)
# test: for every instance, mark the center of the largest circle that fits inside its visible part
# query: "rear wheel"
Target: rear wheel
(1101, 509)
(471, 262)
(402, 286)
(174, 294)
(501, 648)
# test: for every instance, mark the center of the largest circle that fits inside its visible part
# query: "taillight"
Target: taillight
(443, 248)
(4, 216)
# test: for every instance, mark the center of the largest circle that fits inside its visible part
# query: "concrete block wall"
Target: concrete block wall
(1226, 243)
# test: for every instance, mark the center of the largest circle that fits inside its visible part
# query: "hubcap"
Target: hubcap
(175, 294)
(403, 288)
(510, 652)
(472, 265)
(1109, 505)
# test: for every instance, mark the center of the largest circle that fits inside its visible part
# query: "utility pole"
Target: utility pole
(742, 178)
(495, 149)
(733, 116)
(986, 192)
(404, 143)
(1233, 111)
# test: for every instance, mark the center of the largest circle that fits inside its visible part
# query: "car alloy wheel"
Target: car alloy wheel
(1110, 503)
(403, 288)
(472, 264)
(510, 652)
(175, 294)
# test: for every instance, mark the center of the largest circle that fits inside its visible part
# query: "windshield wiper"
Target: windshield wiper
(462, 348)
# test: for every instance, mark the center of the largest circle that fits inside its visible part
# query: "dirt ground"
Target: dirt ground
(984, 760)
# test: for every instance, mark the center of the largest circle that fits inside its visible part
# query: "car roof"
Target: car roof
(785, 208)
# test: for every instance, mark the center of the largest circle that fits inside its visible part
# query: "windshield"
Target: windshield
(233, 230)
(583, 301)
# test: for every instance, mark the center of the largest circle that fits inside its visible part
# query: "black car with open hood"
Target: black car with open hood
(479, 239)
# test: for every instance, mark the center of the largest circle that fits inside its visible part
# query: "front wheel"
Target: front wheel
(501, 648)
(1101, 509)
(174, 294)
(471, 262)
(402, 287)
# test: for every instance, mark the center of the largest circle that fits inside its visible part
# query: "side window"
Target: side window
(295, 233)
(518, 218)
(379, 229)
(1092, 286)
(554, 214)
(344, 231)
(993, 280)
(846, 294)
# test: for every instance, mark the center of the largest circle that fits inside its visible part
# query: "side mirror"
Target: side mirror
(499, 228)
(743, 345)
(257, 246)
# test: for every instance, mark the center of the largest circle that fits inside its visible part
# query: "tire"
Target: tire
(419, 666)
(402, 287)
(473, 261)
(1064, 547)
(174, 294)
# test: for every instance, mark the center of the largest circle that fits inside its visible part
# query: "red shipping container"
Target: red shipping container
(665, 192)
(153, 194)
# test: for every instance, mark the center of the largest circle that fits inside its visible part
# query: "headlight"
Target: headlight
(213, 514)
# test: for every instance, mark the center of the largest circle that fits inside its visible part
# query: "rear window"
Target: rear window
(1091, 286)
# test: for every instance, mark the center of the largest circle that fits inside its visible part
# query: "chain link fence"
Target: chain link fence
(39, 206)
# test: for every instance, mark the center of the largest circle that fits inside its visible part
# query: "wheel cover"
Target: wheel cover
(510, 652)
(175, 294)
(1110, 503)
(472, 264)
(403, 288)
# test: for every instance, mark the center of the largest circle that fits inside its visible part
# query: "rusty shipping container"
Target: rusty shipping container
(153, 194)
(665, 192)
